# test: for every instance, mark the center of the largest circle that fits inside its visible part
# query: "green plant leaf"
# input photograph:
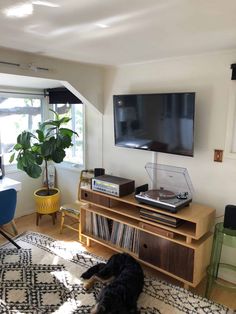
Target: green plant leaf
(48, 148)
(40, 135)
(34, 171)
(36, 148)
(12, 158)
(50, 132)
(69, 132)
(64, 120)
(17, 147)
(55, 113)
(58, 155)
(29, 157)
(20, 163)
(24, 139)
(64, 141)
(41, 127)
(39, 159)
(50, 123)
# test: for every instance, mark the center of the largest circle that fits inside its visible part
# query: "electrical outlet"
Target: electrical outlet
(218, 155)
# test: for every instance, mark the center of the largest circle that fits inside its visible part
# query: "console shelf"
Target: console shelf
(182, 252)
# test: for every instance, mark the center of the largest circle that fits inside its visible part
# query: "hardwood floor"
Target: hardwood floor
(28, 223)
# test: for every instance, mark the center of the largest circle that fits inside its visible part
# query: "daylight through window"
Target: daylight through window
(75, 112)
(24, 112)
(16, 115)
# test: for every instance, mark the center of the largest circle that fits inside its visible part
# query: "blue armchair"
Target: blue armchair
(7, 211)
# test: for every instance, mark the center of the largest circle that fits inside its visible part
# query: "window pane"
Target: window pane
(75, 112)
(17, 115)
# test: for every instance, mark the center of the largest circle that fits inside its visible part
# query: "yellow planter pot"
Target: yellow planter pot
(47, 204)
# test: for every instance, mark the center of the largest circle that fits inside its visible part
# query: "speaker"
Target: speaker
(141, 188)
(99, 172)
(230, 217)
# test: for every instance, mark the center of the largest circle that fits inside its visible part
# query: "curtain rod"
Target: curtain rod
(24, 93)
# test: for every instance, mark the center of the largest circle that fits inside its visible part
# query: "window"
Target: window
(74, 154)
(17, 113)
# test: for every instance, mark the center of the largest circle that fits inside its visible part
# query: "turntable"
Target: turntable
(171, 188)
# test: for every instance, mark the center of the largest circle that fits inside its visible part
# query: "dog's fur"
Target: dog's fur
(126, 279)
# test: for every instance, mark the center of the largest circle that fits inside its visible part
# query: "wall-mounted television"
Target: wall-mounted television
(156, 122)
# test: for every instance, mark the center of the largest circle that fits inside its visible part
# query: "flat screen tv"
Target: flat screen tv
(156, 122)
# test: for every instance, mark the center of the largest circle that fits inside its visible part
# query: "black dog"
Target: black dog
(126, 279)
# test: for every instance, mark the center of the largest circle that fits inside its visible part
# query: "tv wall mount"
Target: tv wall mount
(171, 187)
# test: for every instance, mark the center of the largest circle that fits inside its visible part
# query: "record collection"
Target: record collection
(115, 232)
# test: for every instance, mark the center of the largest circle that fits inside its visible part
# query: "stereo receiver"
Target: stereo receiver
(113, 185)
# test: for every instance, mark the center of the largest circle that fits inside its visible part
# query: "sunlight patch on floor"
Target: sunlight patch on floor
(70, 249)
(68, 307)
(65, 276)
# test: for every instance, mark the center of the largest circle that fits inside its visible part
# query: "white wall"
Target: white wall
(209, 76)
(25, 201)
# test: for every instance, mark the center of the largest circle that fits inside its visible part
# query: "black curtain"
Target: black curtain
(233, 67)
(62, 95)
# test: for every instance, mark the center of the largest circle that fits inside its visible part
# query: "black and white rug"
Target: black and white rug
(44, 277)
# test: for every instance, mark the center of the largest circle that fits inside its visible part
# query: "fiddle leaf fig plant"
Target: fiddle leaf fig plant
(48, 143)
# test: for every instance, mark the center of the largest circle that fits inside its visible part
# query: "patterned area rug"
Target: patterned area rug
(44, 277)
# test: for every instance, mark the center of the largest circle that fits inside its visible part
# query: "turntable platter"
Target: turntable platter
(160, 194)
(164, 199)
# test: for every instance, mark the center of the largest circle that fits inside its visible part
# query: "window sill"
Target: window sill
(69, 166)
(64, 165)
(11, 169)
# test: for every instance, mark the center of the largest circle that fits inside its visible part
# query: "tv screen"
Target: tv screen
(155, 122)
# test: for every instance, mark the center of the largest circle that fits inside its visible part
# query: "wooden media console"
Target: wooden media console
(181, 252)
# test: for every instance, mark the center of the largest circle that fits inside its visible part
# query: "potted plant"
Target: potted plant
(34, 150)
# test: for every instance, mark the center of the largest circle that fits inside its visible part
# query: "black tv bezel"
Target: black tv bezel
(157, 151)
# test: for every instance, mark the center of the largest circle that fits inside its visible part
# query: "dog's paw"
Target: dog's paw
(88, 284)
(92, 271)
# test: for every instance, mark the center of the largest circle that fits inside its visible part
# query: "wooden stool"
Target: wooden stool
(72, 210)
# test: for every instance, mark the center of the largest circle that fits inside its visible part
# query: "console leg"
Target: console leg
(186, 286)
(88, 242)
